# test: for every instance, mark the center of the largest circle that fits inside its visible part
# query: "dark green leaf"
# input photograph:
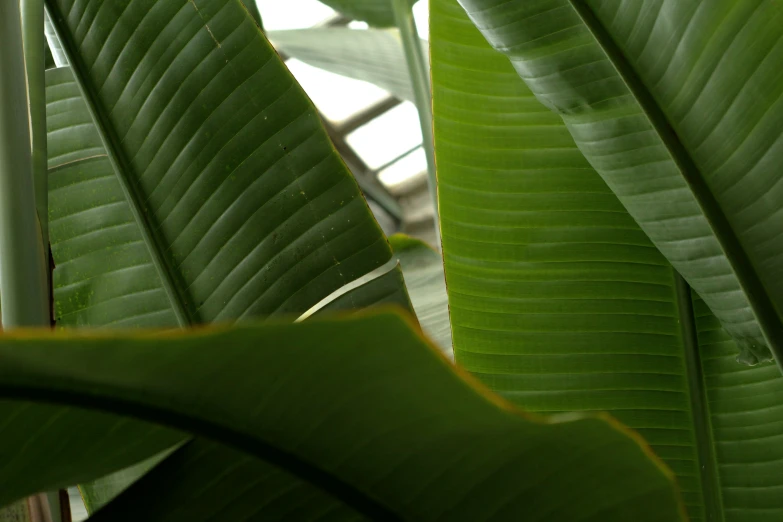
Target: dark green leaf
(389, 430)
(208, 191)
(252, 8)
(226, 200)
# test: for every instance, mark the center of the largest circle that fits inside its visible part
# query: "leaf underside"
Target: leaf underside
(678, 105)
(559, 301)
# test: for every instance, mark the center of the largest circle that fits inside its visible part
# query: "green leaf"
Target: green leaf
(377, 13)
(679, 109)
(208, 190)
(390, 431)
(384, 290)
(252, 8)
(226, 200)
(373, 55)
(78, 157)
(422, 268)
(560, 302)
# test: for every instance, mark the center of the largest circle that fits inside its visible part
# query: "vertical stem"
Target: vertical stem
(34, 40)
(700, 408)
(420, 78)
(23, 271)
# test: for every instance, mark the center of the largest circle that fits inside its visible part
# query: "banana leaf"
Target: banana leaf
(191, 180)
(390, 432)
(560, 302)
(678, 106)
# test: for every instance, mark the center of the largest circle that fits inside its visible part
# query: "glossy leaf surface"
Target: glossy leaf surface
(679, 106)
(559, 301)
(391, 431)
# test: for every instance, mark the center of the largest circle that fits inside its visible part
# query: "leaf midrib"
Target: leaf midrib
(120, 164)
(103, 400)
(749, 281)
(702, 425)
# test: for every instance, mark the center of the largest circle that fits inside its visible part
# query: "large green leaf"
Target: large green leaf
(389, 431)
(208, 190)
(78, 156)
(226, 199)
(560, 302)
(378, 13)
(372, 55)
(679, 106)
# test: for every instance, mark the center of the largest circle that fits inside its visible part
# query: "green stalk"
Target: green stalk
(23, 272)
(420, 79)
(34, 40)
(700, 408)
(25, 279)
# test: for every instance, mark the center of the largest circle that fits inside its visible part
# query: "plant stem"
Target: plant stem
(34, 40)
(23, 272)
(700, 408)
(420, 79)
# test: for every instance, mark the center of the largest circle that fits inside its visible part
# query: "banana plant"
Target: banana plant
(678, 107)
(165, 218)
(190, 182)
(559, 299)
(381, 431)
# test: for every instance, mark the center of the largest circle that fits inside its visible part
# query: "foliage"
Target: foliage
(558, 300)
(685, 135)
(354, 441)
(610, 226)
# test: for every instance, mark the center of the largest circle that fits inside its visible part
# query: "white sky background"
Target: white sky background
(382, 140)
